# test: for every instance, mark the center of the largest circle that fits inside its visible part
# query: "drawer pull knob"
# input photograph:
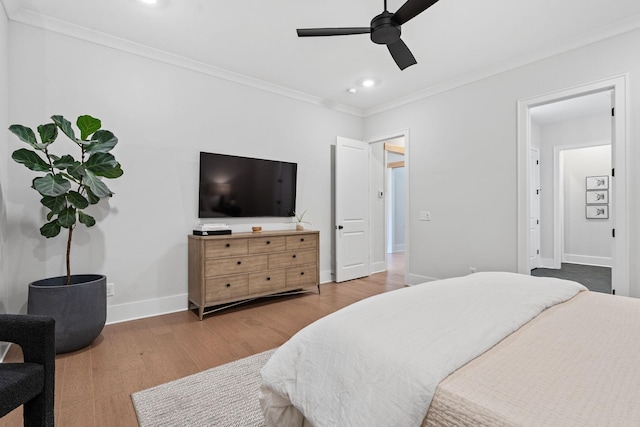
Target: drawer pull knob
(294, 256)
(228, 245)
(268, 242)
(228, 285)
(268, 278)
(302, 273)
(239, 262)
(302, 239)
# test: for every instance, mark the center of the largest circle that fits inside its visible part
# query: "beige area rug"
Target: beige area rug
(223, 396)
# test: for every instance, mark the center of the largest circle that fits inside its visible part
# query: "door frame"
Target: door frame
(619, 162)
(537, 214)
(403, 133)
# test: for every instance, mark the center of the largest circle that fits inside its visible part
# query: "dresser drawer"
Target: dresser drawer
(226, 287)
(302, 241)
(235, 265)
(225, 247)
(263, 245)
(293, 258)
(303, 276)
(272, 280)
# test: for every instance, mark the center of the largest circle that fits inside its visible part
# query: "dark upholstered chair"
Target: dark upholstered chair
(30, 383)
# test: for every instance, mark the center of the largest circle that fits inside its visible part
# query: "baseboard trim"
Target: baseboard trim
(416, 279)
(547, 263)
(587, 260)
(147, 308)
(118, 313)
(378, 267)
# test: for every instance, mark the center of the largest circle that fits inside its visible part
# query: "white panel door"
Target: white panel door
(352, 209)
(534, 214)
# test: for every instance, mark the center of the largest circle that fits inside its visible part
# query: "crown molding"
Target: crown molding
(16, 14)
(11, 7)
(624, 26)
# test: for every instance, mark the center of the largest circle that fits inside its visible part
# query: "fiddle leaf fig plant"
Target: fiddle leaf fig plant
(68, 185)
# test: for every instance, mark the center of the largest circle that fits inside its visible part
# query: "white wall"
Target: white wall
(586, 241)
(463, 159)
(4, 136)
(163, 115)
(567, 134)
(4, 152)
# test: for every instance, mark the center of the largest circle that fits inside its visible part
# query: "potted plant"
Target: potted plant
(299, 221)
(68, 186)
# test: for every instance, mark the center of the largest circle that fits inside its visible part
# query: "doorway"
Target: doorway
(389, 189)
(395, 200)
(574, 137)
(528, 133)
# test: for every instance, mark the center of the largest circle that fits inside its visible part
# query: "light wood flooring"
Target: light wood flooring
(93, 385)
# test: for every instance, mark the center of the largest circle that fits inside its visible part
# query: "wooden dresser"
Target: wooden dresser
(241, 266)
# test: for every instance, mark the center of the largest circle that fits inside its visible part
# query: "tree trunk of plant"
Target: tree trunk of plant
(69, 256)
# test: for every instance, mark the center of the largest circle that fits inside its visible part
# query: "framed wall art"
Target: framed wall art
(597, 212)
(594, 197)
(598, 182)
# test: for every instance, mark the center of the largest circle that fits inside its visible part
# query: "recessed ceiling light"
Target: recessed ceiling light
(368, 83)
(352, 90)
(148, 1)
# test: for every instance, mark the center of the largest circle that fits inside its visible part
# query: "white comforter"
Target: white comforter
(378, 362)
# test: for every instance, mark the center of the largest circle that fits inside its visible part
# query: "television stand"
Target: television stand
(227, 270)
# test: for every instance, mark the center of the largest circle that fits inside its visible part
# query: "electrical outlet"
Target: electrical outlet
(425, 216)
(110, 289)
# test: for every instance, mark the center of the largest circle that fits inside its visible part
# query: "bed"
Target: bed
(488, 349)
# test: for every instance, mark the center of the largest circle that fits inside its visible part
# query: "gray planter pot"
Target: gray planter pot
(80, 309)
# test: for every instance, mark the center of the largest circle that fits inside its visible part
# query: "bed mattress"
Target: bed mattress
(575, 364)
(369, 365)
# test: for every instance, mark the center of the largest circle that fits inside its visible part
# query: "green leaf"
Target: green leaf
(87, 220)
(67, 217)
(30, 159)
(50, 215)
(96, 185)
(50, 185)
(76, 170)
(48, 133)
(103, 142)
(87, 126)
(100, 162)
(50, 229)
(64, 162)
(115, 172)
(93, 199)
(77, 200)
(24, 133)
(55, 204)
(65, 126)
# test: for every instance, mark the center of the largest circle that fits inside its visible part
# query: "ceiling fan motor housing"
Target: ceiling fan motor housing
(383, 29)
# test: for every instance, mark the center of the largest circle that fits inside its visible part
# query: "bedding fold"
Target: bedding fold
(378, 362)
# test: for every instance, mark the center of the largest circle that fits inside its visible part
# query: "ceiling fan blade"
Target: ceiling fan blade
(411, 9)
(317, 32)
(401, 54)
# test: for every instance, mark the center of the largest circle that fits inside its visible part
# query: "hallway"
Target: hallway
(596, 279)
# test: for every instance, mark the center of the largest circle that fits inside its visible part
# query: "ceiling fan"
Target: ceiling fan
(384, 29)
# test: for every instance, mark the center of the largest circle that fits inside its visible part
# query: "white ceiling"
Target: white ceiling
(254, 41)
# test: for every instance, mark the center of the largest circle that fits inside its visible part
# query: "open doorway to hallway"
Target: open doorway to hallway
(573, 139)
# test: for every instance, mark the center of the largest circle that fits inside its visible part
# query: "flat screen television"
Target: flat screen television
(233, 186)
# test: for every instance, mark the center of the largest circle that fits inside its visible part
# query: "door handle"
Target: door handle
(339, 227)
